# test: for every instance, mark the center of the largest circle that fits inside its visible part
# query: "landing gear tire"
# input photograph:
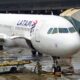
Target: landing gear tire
(59, 68)
(33, 53)
(40, 54)
(13, 70)
(1, 47)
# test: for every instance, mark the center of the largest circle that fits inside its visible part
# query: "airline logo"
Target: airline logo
(27, 23)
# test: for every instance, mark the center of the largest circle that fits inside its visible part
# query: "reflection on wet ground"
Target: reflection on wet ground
(30, 76)
(33, 76)
(73, 77)
(27, 76)
(23, 76)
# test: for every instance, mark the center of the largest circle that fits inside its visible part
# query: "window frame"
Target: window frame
(55, 30)
(64, 30)
(72, 28)
(50, 31)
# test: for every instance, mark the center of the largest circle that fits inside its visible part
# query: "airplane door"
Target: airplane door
(38, 31)
(37, 35)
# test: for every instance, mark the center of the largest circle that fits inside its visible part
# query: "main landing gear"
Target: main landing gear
(36, 54)
(56, 67)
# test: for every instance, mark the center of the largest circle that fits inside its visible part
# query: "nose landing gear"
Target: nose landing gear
(56, 67)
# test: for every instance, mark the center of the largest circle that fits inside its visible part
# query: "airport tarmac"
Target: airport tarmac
(73, 77)
(30, 75)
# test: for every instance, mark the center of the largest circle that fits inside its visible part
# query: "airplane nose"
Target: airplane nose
(68, 45)
(75, 45)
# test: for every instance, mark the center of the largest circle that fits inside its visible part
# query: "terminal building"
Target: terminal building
(36, 6)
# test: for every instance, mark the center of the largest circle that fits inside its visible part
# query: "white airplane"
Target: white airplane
(47, 34)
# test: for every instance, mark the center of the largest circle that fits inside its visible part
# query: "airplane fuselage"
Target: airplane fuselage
(48, 34)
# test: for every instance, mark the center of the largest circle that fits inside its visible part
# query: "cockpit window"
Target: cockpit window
(54, 30)
(71, 29)
(50, 30)
(63, 30)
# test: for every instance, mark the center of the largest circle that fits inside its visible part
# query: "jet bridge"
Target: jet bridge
(73, 15)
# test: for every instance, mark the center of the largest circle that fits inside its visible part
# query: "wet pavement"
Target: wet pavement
(73, 77)
(32, 76)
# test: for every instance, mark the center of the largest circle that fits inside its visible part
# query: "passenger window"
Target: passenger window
(50, 31)
(54, 30)
(71, 29)
(63, 30)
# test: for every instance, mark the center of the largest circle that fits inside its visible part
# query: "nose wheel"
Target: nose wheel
(56, 67)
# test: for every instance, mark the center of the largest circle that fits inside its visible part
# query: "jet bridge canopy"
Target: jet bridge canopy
(14, 5)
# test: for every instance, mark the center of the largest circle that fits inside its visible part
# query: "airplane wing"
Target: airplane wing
(4, 38)
(28, 40)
